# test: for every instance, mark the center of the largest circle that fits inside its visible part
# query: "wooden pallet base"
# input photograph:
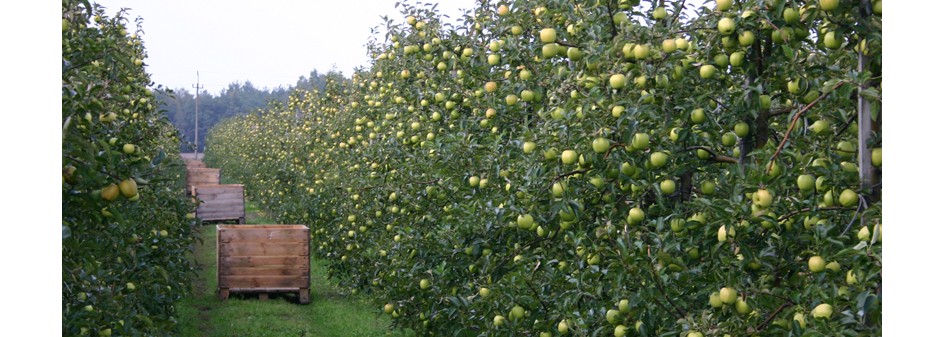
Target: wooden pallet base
(305, 296)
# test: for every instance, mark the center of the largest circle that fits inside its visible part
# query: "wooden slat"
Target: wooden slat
(264, 271)
(263, 249)
(264, 281)
(221, 203)
(263, 235)
(261, 261)
(220, 197)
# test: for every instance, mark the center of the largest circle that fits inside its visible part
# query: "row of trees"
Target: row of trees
(594, 168)
(125, 226)
(236, 99)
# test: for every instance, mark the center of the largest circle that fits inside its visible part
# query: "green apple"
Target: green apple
(498, 320)
(851, 277)
(742, 307)
(658, 159)
(668, 186)
(424, 284)
(694, 334)
(728, 295)
(737, 59)
(620, 331)
(729, 138)
(762, 198)
(563, 327)
(846, 149)
(726, 26)
(799, 317)
(624, 306)
(641, 141)
(746, 38)
(635, 216)
(474, 181)
(805, 182)
(822, 310)
(707, 71)
(548, 35)
(511, 99)
(525, 221)
(128, 148)
(557, 190)
(617, 110)
(723, 5)
(741, 129)
(669, 46)
(600, 145)
(876, 157)
(833, 266)
(820, 126)
(613, 316)
(791, 15)
(493, 59)
(833, 40)
(549, 50)
(618, 81)
(697, 116)
(528, 147)
(517, 312)
(816, 264)
(708, 187)
(575, 54)
(569, 157)
(829, 5)
(641, 51)
(849, 198)
(715, 300)
(659, 13)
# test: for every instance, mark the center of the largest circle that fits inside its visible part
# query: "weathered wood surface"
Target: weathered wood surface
(262, 259)
(202, 176)
(220, 202)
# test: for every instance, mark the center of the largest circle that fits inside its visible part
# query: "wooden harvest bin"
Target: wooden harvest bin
(194, 164)
(202, 176)
(220, 202)
(263, 259)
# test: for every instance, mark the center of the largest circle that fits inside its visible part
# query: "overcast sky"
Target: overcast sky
(269, 43)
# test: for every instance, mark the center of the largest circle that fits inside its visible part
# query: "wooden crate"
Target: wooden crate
(263, 259)
(194, 164)
(202, 176)
(220, 202)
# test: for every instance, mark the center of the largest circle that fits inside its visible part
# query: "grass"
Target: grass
(332, 312)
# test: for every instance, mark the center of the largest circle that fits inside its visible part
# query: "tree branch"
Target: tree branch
(770, 317)
(794, 123)
(808, 209)
(714, 156)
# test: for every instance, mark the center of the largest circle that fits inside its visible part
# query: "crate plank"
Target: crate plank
(260, 261)
(263, 271)
(297, 281)
(264, 235)
(263, 249)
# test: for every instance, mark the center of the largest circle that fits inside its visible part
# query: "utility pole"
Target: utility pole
(196, 113)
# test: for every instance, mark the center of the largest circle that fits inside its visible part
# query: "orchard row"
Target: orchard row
(125, 233)
(545, 168)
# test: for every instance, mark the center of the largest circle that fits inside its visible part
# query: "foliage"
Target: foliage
(125, 230)
(421, 168)
(234, 100)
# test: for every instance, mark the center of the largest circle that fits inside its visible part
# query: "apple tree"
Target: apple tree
(594, 167)
(125, 232)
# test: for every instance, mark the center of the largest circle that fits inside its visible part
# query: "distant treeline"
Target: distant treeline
(237, 99)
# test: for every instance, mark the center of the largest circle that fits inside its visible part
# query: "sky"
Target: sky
(268, 43)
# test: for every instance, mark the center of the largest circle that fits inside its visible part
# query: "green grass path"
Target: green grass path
(332, 312)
